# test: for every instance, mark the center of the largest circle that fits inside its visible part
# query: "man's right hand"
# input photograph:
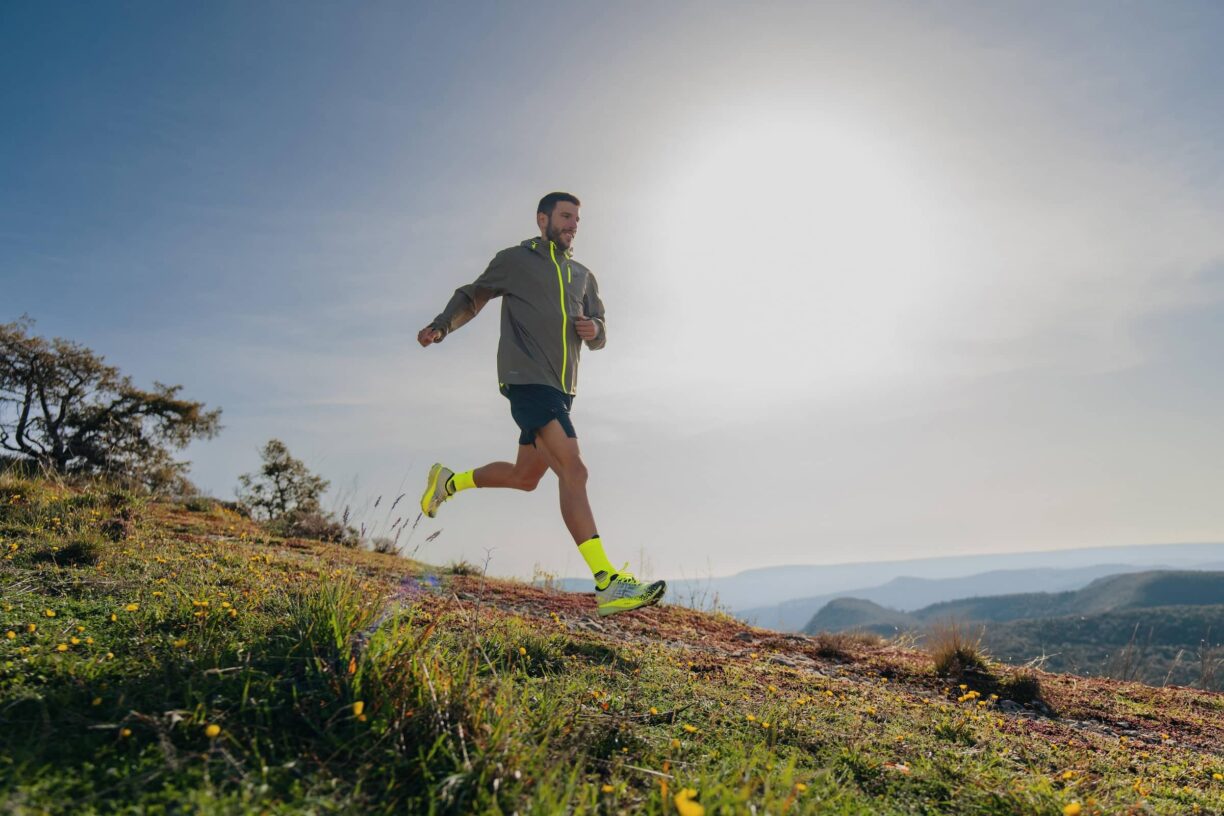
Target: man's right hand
(428, 335)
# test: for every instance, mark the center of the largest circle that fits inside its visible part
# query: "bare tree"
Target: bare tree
(64, 408)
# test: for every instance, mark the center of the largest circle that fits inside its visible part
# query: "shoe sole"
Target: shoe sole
(651, 601)
(431, 489)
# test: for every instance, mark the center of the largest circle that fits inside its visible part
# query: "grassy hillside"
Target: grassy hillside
(159, 657)
(1122, 626)
(1153, 645)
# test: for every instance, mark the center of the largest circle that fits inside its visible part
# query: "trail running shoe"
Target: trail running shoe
(435, 489)
(624, 592)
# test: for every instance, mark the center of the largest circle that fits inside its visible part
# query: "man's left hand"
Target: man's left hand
(587, 328)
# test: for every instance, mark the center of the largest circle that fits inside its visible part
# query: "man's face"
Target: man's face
(562, 225)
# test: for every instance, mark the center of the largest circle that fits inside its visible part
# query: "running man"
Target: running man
(550, 306)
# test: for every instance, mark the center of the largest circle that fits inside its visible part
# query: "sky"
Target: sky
(883, 280)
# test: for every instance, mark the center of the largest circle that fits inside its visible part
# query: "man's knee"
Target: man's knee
(527, 482)
(572, 471)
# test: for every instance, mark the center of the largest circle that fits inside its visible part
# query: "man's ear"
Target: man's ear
(541, 221)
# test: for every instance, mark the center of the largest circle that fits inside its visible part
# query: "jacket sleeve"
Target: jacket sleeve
(593, 308)
(468, 300)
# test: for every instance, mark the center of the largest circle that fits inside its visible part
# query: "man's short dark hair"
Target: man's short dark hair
(549, 202)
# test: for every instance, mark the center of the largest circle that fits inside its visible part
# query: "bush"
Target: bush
(199, 504)
(317, 525)
(1021, 687)
(841, 645)
(463, 567)
(953, 652)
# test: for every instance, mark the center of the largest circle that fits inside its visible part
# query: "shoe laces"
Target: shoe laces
(626, 577)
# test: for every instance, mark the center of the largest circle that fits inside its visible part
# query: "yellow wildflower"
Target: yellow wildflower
(654, 710)
(132, 607)
(358, 708)
(675, 743)
(523, 650)
(31, 627)
(692, 729)
(11, 635)
(1219, 777)
(751, 718)
(212, 730)
(75, 641)
(685, 805)
(1068, 775)
(799, 786)
(63, 647)
(125, 732)
(1072, 809)
(50, 613)
(96, 701)
(180, 643)
(607, 788)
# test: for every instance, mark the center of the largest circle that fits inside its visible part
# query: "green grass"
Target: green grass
(209, 667)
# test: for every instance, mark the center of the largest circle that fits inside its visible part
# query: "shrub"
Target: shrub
(840, 645)
(463, 567)
(1022, 687)
(953, 652)
(317, 525)
(199, 504)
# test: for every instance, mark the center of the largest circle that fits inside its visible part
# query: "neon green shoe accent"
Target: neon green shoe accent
(463, 481)
(435, 489)
(624, 593)
(592, 552)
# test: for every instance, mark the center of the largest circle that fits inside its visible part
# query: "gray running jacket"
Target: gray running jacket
(543, 293)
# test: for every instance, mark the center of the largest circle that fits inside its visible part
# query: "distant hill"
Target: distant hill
(1115, 592)
(769, 586)
(909, 593)
(1154, 627)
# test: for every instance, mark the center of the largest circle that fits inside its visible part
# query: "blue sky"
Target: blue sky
(883, 280)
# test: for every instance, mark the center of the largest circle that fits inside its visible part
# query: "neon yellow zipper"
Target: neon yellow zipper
(552, 251)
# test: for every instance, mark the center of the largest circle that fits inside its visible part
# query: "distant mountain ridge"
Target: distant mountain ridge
(758, 593)
(1129, 591)
(907, 593)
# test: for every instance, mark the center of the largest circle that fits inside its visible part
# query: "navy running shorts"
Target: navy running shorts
(534, 406)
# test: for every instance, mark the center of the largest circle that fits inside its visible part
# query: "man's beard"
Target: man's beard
(554, 235)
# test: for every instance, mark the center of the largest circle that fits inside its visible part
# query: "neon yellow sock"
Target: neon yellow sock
(462, 481)
(593, 553)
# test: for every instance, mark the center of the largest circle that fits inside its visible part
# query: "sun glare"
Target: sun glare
(822, 243)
